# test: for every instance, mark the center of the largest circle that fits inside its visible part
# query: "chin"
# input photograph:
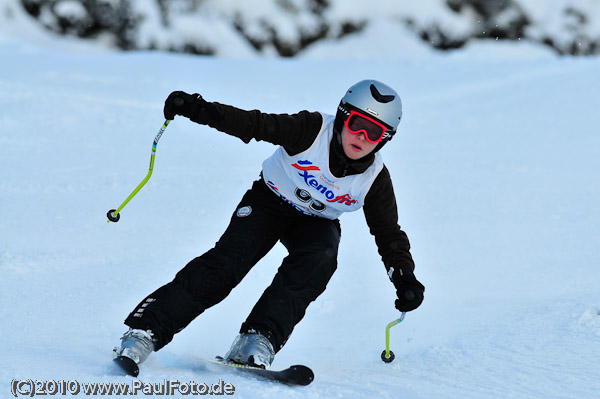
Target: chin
(354, 155)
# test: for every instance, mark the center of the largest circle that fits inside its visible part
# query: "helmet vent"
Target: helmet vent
(382, 98)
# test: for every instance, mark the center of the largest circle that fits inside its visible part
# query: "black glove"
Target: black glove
(191, 106)
(408, 289)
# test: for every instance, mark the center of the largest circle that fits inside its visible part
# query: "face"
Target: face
(355, 145)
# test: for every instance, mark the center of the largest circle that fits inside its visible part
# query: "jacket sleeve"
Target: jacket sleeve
(295, 132)
(381, 214)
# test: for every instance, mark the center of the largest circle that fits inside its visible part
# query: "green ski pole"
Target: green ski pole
(114, 215)
(387, 355)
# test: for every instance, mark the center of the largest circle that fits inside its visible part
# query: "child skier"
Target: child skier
(324, 166)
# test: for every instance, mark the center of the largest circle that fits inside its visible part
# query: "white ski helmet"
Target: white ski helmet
(374, 99)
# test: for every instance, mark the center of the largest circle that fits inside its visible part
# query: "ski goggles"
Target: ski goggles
(360, 123)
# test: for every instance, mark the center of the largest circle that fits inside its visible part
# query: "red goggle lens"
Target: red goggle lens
(359, 123)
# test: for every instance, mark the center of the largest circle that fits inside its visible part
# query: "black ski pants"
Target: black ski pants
(260, 221)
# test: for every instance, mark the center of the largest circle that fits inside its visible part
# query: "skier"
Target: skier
(324, 166)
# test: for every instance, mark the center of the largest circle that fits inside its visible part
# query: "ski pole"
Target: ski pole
(387, 355)
(114, 215)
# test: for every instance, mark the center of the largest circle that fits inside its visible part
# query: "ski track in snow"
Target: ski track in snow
(495, 172)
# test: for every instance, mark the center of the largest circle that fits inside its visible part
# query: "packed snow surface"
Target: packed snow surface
(495, 169)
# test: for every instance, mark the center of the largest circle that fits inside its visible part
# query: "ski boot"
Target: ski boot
(251, 348)
(136, 346)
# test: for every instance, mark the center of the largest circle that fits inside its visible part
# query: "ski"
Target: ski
(126, 364)
(293, 375)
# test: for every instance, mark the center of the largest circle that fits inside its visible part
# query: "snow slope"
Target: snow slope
(495, 170)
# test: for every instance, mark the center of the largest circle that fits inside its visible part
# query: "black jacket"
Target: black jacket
(296, 133)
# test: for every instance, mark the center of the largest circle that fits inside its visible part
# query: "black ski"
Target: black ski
(293, 375)
(127, 365)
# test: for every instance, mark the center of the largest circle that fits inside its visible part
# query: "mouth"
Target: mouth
(356, 147)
